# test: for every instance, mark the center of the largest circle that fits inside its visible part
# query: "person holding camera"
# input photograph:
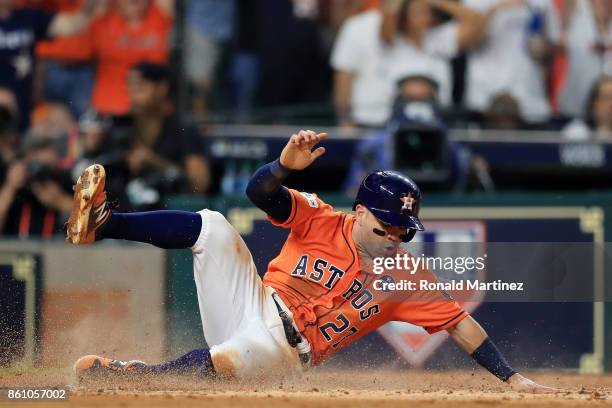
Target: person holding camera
(35, 196)
(35, 188)
(417, 131)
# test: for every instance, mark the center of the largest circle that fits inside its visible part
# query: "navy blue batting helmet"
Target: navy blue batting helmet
(393, 198)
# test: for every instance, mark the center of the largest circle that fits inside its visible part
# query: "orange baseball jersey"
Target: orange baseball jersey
(333, 298)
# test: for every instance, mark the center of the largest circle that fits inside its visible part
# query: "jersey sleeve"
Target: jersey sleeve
(433, 310)
(304, 208)
(433, 316)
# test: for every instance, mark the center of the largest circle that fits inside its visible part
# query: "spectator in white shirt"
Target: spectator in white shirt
(376, 48)
(588, 43)
(513, 57)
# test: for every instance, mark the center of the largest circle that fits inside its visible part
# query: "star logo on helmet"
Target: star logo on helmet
(408, 201)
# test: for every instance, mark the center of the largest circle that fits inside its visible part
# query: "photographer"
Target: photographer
(416, 113)
(35, 197)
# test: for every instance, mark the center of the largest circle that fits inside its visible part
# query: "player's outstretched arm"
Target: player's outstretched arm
(472, 338)
(298, 153)
(265, 188)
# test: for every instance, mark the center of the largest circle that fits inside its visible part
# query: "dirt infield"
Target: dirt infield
(323, 388)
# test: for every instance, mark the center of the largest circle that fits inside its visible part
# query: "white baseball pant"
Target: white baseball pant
(240, 319)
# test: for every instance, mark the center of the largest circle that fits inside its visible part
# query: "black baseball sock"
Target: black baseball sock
(196, 362)
(164, 229)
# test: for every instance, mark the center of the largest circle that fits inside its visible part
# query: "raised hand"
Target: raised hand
(298, 153)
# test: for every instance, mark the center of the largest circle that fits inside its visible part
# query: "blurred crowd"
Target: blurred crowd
(124, 83)
(89, 81)
(501, 64)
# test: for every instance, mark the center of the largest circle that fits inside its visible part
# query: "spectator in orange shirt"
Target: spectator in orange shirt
(65, 64)
(131, 32)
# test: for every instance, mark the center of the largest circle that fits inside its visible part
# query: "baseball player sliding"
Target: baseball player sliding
(317, 295)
